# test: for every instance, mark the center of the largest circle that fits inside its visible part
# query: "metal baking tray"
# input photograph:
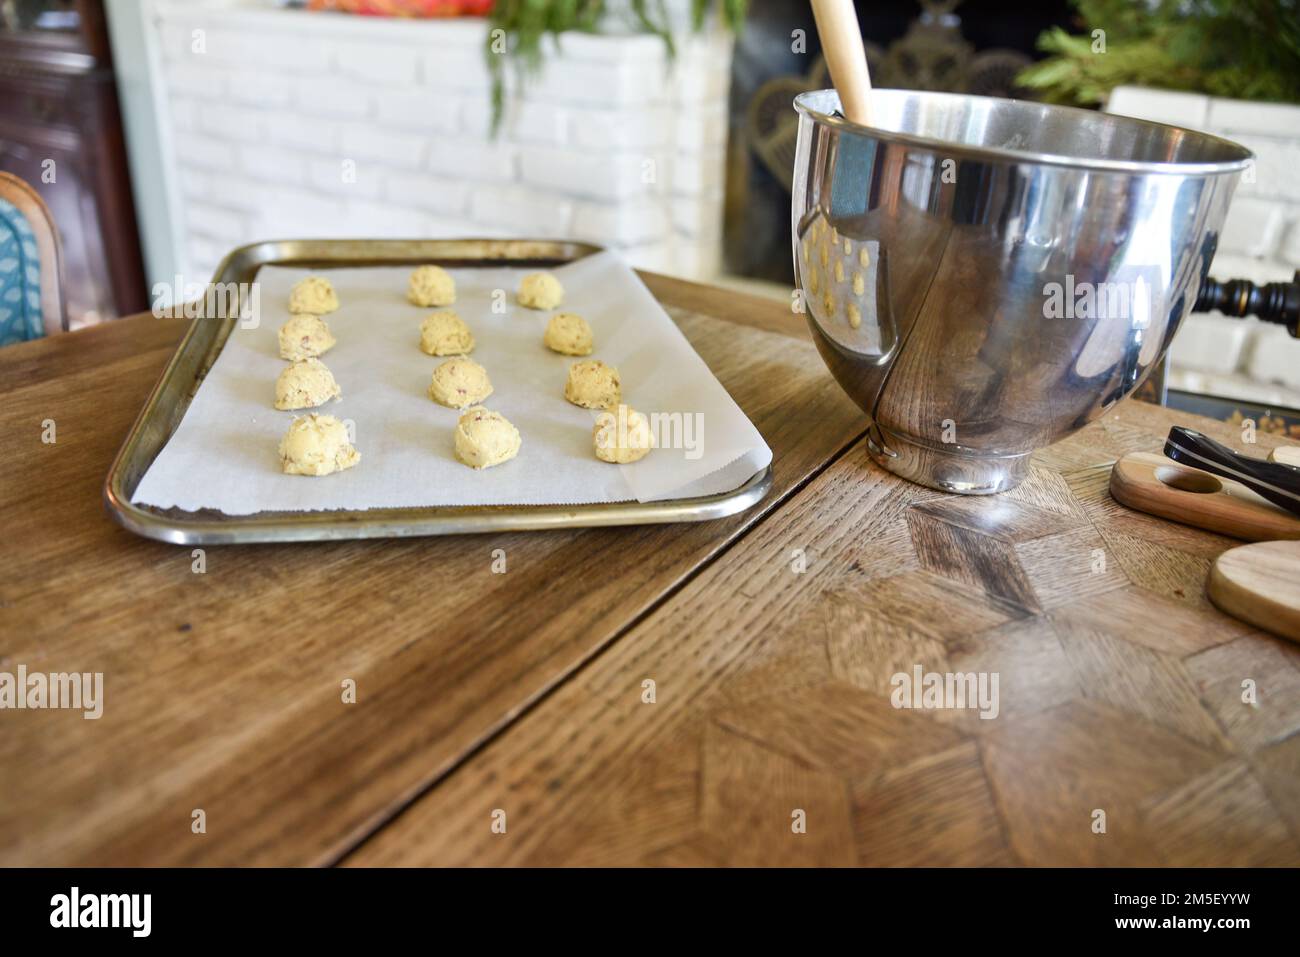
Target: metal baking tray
(206, 337)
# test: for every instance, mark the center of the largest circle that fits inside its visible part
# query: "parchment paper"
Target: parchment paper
(224, 454)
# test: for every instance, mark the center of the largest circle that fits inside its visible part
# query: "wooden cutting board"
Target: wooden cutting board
(1260, 584)
(1159, 486)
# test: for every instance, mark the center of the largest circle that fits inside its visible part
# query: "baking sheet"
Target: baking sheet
(223, 455)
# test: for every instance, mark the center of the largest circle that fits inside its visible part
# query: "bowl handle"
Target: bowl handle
(1277, 302)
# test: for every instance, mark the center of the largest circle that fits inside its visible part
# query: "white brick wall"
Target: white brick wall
(1260, 241)
(286, 124)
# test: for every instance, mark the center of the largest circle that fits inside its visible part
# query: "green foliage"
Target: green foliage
(1243, 49)
(516, 30)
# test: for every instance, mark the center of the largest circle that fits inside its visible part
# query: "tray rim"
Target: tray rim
(352, 524)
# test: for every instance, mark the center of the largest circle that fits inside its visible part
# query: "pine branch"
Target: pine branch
(1246, 49)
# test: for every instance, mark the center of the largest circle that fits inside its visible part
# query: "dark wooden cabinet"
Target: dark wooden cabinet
(61, 130)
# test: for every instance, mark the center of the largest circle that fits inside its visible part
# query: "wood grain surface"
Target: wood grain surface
(223, 688)
(1120, 689)
(521, 699)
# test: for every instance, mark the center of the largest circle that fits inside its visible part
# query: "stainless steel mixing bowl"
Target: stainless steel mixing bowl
(985, 276)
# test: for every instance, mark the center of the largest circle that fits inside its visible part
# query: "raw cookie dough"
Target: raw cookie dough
(593, 385)
(445, 334)
(304, 337)
(459, 382)
(431, 286)
(622, 437)
(314, 295)
(485, 439)
(317, 445)
(304, 385)
(568, 334)
(540, 290)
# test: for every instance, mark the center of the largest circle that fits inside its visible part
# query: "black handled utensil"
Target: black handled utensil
(1278, 483)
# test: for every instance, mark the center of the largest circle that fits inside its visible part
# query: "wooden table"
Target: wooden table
(524, 698)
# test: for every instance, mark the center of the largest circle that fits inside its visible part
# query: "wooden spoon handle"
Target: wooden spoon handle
(837, 25)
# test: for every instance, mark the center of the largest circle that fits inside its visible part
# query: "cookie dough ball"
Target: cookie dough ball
(593, 385)
(485, 439)
(305, 337)
(568, 334)
(304, 385)
(431, 286)
(622, 437)
(458, 383)
(317, 445)
(314, 296)
(540, 290)
(445, 334)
